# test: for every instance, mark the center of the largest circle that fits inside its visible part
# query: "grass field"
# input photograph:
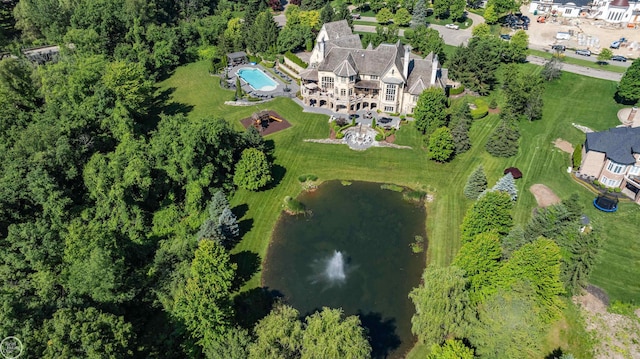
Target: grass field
(586, 63)
(573, 98)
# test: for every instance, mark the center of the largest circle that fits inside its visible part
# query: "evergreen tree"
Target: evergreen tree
(402, 17)
(441, 8)
(480, 260)
(460, 135)
(251, 138)
(217, 204)
(552, 69)
(508, 185)
(503, 142)
(476, 183)
(579, 258)
(327, 14)
(228, 224)
(264, 33)
(253, 170)
(490, 15)
(512, 241)
(629, 85)
(456, 9)
(441, 146)
(492, 212)
(419, 14)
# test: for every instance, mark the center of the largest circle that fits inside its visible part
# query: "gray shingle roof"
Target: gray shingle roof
(337, 29)
(350, 42)
(618, 144)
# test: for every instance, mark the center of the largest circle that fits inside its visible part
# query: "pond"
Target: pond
(352, 252)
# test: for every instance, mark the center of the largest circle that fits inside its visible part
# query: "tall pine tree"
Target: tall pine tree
(476, 184)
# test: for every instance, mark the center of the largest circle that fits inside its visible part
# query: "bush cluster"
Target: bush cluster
(295, 59)
(481, 110)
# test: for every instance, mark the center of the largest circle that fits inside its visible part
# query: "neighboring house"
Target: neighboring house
(613, 158)
(345, 77)
(611, 11)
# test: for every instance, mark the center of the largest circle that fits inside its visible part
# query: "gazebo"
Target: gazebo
(237, 58)
(514, 172)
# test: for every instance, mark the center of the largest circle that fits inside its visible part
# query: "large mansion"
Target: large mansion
(343, 76)
(613, 158)
(621, 12)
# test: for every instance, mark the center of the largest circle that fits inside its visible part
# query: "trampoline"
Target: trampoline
(606, 203)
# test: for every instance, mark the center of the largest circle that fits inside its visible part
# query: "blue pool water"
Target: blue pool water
(257, 79)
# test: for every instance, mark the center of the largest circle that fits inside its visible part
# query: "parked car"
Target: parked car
(615, 45)
(559, 48)
(452, 26)
(583, 52)
(619, 58)
(505, 37)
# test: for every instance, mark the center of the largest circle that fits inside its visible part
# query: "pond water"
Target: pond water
(352, 252)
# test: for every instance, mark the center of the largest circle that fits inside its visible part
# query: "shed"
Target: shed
(514, 172)
(237, 58)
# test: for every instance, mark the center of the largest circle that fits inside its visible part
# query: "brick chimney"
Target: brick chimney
(632, 115)
(407, 53)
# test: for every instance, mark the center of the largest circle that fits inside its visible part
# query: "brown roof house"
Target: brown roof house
(344, 76)
(613, 158)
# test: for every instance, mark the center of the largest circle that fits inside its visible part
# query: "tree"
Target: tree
(204, 304)
(509, 325)
(86, 333)
(130, 84)
(481, 30)
(278, 335)
(232, 344)
(442, 305)
(518, 48)
(441, 146)
(402, 17)
(578, 261)
(490, 15)
(264, 33)
(476, 64)
(480, 260)
(228, 224)
(605, 55)
(441, 8)
(460, 136)
(252, 171)
(384, 16)
(552, 69)
(251, 138)
(327, 14)
(456, 9)
(328, 334)
(492, 212)
(503, 142)
(507, 184)
(419, 14)
(451, 349)
(426, 40)
(629, 86)
(17, 90)
(431, 110)
(543, 274)
(476, 183)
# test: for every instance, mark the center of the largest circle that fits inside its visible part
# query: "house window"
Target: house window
(389, 109)
(350, 91)
(343, 92)
(616, 168)
(567, 11)
(609, 182)
(391, 93)
(343, 80)
(374, 77)
(414, 98)
(327, 82)
(352, 78)
(634, 171)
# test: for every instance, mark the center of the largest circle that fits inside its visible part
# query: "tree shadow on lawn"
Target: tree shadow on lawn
(162, 104)
(248, 265)
(277, 172)
(253, 305)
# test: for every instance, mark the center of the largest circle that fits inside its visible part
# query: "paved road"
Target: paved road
(572, 54)
(581, 70)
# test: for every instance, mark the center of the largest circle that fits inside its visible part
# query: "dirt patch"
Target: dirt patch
(563, 145)
(332, 134)
(390, 139)
(268, 125)
(544, 195)
(616, 336)
(493, 111)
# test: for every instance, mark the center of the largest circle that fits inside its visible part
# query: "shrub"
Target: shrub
(456, 90)
(312, 177)
(418, 244)
(339, 135)
(292, 206)
(302, 178)
(577, 157)
(493, 104)
(392, 187)
(255, 59)
(481, 110)
(379, 137)
(295, 59)
(617, 190)
(269, 64)
(346, 183)
(596, 183)
(622, 308)
(414, 196)
(373, 123)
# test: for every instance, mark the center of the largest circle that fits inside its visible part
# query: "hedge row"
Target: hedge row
(482, 109)
(456, 90)
(296, 60)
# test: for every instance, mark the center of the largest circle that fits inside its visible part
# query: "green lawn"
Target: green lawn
(573, 98)
(580, 62)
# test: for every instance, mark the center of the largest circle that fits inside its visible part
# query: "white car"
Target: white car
(452, 26)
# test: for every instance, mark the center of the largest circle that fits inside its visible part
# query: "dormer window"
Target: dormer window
(352, 78)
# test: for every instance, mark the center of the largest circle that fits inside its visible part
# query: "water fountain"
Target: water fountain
(335, 268)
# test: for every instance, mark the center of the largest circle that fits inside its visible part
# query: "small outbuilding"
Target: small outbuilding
(237, 58)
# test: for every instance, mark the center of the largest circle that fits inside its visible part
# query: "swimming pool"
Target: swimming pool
(257, 79)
